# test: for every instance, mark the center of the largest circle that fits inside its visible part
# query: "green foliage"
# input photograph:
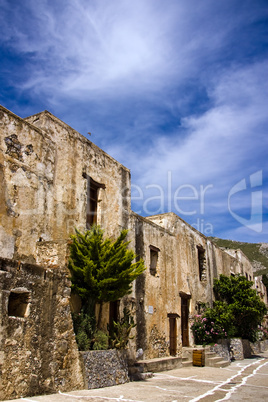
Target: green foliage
(87, 336)
(236, 295)
(120, 331)
(101, 340)
(84, 328)
(237, 311)
(102, 269)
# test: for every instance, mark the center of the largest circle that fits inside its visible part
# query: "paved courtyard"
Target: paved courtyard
(245, 380)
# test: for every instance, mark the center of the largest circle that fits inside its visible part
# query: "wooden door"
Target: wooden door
(172, 336)
(184, 322)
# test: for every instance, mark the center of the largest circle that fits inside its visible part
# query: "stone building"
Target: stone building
(54, 180)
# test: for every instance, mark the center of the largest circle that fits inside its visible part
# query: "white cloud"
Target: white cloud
(87, 49)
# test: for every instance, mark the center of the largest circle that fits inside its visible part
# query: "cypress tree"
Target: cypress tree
(101, 269)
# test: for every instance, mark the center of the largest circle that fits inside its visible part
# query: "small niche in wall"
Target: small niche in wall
(18, 303)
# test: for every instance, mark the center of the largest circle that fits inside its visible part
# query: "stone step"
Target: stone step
(216, 361)
(210, 354)
(212, 360)
(222, 363)
(187, 363)
(161, 364)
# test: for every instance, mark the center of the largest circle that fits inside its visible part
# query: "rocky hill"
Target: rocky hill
(257, 253)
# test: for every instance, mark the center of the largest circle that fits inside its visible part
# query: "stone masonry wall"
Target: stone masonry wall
(238, 349)
(104, 368)
(38, 352)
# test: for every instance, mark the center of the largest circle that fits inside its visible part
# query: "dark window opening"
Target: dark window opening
(154, 251)
(18, 303)
(92, 201)
(202, 263)
(114, 312)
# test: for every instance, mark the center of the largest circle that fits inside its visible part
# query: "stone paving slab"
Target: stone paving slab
(242, 380)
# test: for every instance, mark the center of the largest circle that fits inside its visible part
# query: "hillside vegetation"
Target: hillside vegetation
(257, 253)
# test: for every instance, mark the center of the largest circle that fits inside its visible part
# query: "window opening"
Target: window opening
(18, 302)
(202, 263)
(154, 251)
(92, 200)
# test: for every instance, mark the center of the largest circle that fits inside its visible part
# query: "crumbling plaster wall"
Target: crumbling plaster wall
(43, 173)
(177, 274)
(38, 352)
(27, 161)
(245, 267)
(76, 158)
(43, 168)
(156, 294)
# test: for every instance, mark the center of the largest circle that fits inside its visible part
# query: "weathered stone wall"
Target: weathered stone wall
(159, 294)
(44, 171)
(238, 349)
(261, 289)
(38, 352)
(222, 348)
(156, 293)
(77, 158)
(245, 266)
(27, 165)
(104, 368)
(45, 166)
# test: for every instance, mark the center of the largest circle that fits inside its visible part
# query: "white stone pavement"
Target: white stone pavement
(243, 380)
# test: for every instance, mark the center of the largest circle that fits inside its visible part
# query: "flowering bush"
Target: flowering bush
(206, 331)
(237, 311)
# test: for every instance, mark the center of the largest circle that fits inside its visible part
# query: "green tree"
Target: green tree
(235, 296)
(237, 311)
(101, 269)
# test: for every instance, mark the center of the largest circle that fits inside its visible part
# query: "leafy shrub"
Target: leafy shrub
(120, 331)
(101, 340)
(84, 328)
(237, 311)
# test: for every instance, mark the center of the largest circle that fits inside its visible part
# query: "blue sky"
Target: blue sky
(177, 91)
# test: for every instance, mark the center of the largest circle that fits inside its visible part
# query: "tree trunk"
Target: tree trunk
(100, 315)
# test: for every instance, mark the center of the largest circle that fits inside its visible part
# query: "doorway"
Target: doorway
(173, 334)
(185, 321)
